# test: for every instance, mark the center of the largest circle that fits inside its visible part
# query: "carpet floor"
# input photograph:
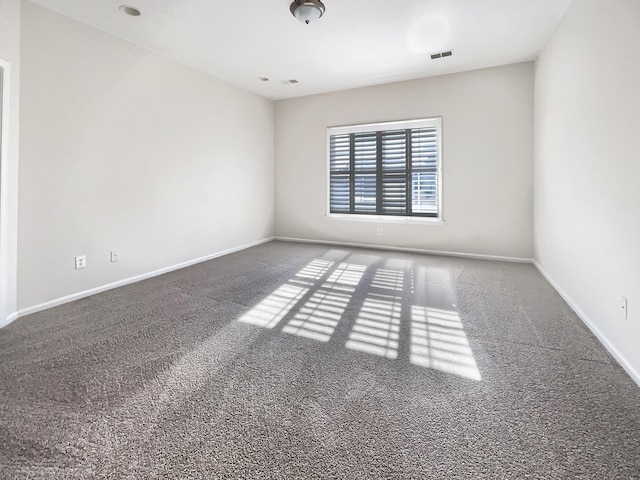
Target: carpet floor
(291, 361)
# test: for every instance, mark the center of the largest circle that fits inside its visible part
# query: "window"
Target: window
(385, 169)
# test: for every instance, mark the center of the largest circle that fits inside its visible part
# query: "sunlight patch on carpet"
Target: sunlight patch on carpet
(319, 316)
(438, 341)
(271, 310)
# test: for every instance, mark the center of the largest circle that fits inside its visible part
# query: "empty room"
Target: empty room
(304, 239)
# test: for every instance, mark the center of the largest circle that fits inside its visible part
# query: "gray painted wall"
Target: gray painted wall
(10, 53)
(123, 149)
(487, 161)
(587, 167)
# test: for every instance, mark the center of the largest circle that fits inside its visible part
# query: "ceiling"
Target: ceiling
(356, 43)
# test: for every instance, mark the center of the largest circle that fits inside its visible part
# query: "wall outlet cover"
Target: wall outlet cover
(81, 262)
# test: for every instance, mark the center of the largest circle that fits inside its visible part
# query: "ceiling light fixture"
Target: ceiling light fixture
(134, 12)
(307, 11)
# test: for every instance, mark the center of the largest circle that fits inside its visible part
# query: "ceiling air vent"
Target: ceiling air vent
(448, 53)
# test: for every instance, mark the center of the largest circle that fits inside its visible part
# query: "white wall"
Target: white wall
(10, 55)
(587, 167)
(487, 161)
(123, 149)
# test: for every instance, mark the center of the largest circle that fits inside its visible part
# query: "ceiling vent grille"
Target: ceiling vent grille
(448, 53)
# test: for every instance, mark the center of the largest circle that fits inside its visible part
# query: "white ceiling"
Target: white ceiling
(356, 43)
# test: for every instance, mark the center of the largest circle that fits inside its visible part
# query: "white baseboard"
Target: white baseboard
(478, 256)
(9, 319)
(633, 373)
(120, 283)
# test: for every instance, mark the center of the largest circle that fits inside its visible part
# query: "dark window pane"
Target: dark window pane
(424, 149)
(339, 197)
(365, 193)
(394, 194)
(365, 151)
(339, 154)
(394, 150)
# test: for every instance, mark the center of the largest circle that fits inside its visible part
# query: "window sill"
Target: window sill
(431, 221)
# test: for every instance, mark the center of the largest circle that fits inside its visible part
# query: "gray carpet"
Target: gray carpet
(306, 361)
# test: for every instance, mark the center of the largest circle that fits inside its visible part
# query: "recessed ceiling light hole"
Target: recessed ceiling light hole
(132, 11)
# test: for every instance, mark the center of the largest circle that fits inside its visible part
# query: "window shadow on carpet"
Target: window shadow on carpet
(362, 303)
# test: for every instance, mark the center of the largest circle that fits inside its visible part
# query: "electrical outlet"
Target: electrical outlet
(379, 231)
(81, 262)
(114, 256)
(623, 308)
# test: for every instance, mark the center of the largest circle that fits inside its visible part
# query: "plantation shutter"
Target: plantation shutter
(364, 164)
(390, 172)
(340, 167)
(394, 177)
(424, 171)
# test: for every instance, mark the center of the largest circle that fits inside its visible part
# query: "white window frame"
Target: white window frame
(381, 126)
